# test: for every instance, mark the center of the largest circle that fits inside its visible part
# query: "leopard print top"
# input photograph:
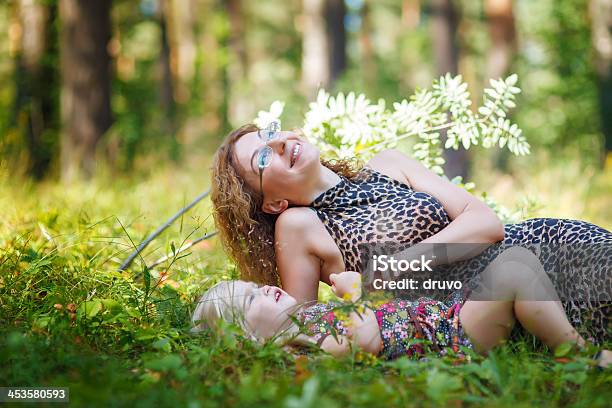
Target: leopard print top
(376, 209)
(373, 208)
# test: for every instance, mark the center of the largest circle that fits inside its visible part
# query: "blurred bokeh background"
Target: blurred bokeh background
(125, 89)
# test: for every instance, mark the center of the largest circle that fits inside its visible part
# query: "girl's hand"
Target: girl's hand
(346, 285)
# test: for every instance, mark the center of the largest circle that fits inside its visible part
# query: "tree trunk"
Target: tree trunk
(601, 17)
(236, 39)
(324, 44)
(315, 49)
(85, 68)
(444, 23)
(336, 35)
(502, 31)
(240, 109)
(411, 13)
(166, 83)
(368, 63)
(183, 46)
(36, 107)
(212, 81)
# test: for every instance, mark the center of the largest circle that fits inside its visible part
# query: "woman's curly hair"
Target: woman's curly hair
(245, 230)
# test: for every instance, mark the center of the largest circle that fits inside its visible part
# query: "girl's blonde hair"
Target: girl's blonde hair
(222, 302)
(226, 302)
(245, 230)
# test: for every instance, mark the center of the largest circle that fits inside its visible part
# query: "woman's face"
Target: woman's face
(267, 309)
(293, 164)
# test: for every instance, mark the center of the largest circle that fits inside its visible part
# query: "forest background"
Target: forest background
(128, 87)
(110, 112)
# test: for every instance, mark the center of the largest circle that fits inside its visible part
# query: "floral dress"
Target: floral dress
(409, 328)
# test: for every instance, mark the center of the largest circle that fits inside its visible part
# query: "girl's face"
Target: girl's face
(267, 309)
(293, 164)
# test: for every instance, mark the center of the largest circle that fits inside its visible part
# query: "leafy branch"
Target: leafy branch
(348, 126)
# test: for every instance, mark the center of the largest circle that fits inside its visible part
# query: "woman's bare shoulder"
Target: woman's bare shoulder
(296, 219)
(303, 224)
(304, 231)
(299, 220)
(391, 163)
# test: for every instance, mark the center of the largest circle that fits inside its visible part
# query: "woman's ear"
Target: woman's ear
(275, 207)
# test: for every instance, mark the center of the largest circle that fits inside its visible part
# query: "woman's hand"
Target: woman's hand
(346, 285)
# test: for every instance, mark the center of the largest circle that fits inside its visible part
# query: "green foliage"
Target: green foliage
(30, 100)
(6, 91)
(559, 109)
(142, 124)
(68, 318)
(351, 126)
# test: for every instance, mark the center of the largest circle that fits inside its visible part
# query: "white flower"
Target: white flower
(264, 118)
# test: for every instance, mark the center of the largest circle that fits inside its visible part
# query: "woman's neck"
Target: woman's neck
(317, 183)
(326, 180)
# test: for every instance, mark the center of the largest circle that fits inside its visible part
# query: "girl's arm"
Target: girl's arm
(362, 327)
(362, 332)
(336, 348)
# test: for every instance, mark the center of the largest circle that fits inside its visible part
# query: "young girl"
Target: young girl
(511, 288)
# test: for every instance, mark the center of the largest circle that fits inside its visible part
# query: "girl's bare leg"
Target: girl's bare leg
(515, 286)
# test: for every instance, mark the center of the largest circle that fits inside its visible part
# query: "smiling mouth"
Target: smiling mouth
(295, 153)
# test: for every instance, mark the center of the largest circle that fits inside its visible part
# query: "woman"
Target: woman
(284, 213)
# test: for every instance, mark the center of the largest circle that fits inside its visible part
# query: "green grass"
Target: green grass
(121, 338)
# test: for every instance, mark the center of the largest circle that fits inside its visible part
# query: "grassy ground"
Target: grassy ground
(68, 318)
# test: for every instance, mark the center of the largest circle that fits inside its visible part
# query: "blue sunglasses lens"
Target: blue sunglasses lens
(268, 135)
(270, 132)
(264, 157)
(274, 126)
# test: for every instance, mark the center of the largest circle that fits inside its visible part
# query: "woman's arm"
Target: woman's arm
(305, 253)
(472, 221)
(298, 267)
